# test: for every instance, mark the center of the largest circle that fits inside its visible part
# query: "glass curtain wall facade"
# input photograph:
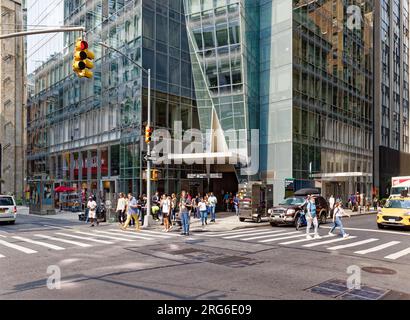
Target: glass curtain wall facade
(224, 44)
(392, 157)
(333, 96)
(293, 69)
(276, 96)
(86, 133)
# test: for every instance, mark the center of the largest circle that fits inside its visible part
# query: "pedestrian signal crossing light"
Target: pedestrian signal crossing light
(83, 59)
(148, 135)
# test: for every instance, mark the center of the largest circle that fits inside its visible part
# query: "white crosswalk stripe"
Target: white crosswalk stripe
(1, 256)
(103, 236)
(124, 234)
(378, 248)
(160, 234)
(248, 230)
(397, 255)
(302, 240)
(260, 234)
(310, 245)
(354, 244)
(284, 238)
(265, 235)
(40, 243)
(139, 234)
(76, 243)
(17, 247)
(83, 238)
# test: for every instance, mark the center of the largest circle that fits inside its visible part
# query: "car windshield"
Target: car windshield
(293, 201)
(6, 201)
(398, 190)
(398, 204)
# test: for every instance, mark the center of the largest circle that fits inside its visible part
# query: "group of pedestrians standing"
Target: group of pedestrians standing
(204, 206)
(130, 210)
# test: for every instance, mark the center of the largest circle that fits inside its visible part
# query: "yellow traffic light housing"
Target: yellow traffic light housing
(82, 59)
(154, 175)
(148, 135)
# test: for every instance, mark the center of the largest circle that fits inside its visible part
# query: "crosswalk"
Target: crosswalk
(65, 239)
(360, 244)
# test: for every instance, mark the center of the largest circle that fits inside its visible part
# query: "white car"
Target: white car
(8, 209)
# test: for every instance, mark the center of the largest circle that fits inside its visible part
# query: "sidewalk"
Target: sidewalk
(356, 213)
(60, 215)
(225, 221)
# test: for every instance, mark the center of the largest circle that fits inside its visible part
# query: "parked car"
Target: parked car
(291, 210)
(8, 209)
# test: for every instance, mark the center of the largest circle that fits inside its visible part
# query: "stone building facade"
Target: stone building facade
(12, 100)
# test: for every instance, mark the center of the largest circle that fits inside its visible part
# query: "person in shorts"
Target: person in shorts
(92, 211)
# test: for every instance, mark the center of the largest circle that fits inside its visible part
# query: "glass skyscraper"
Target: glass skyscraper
(391, 136)
(291, 69)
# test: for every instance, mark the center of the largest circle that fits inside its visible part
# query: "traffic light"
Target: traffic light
(148, 135)
(82, 59)
(154, 175)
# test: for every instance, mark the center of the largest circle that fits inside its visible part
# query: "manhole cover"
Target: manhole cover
(378, 270)
(184, 251)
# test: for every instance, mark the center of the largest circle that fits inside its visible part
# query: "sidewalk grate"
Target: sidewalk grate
(185, 251)
(215, 257)
(338, 289)
(228, 260)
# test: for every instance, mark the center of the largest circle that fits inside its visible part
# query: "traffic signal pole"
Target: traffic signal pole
(148, 217)
(41, 31)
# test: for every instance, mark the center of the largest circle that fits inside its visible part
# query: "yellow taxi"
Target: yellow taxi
(395, 213)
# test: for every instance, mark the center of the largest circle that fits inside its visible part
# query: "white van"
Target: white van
(8, 209)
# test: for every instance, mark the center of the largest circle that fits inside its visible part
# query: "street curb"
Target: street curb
(363, 214)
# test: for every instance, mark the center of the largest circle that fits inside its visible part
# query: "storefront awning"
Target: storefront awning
(340, 176)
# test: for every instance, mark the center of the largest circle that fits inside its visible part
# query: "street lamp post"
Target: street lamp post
(148, 216)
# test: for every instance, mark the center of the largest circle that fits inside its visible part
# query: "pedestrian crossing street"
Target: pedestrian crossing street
(358, 244)
(64, 239)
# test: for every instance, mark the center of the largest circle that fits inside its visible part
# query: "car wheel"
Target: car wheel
(380, 226)
(241, 219)
(323, 218)
(298, 222)
(258, 219)
(12, 222)
(273, 224)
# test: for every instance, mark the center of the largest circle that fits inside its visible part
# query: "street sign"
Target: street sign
(289, 184)
(205, 176)
(153, 159)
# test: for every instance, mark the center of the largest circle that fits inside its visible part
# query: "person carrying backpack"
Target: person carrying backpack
(155, 206)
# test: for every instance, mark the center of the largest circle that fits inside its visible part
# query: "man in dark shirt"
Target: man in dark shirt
(185, 206)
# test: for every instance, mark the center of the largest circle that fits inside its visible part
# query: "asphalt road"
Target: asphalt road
(253, 263)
